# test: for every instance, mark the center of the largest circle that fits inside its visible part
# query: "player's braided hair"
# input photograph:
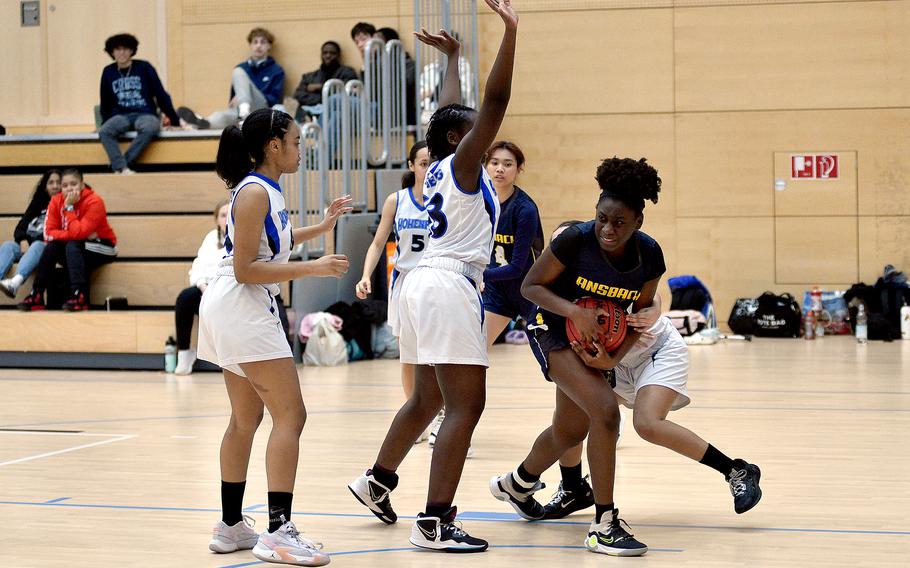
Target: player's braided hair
(627, 180)
(241, 151)
(444, 120)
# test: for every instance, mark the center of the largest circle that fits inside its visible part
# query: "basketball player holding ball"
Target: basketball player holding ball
(611, 258)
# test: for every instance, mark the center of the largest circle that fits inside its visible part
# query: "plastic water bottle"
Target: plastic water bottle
(170, 355)
(816, 295)
(862, 325)
(905, 321)
(809, 325)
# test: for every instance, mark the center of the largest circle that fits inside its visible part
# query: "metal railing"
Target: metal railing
(458, 17)
(397, 101)
(305, 190)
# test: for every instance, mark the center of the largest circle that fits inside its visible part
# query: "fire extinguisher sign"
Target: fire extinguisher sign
(814, 166)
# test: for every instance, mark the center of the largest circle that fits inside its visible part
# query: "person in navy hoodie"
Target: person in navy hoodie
(131, 96)
(256, 83)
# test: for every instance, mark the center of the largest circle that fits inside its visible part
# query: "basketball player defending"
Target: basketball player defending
(239, 331)
(441, 314)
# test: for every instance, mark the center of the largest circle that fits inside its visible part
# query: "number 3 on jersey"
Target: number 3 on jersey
(439, 224)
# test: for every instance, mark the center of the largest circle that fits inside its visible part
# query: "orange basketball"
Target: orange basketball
(612, 324)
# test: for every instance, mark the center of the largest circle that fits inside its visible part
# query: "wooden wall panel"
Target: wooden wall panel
(725, 160)
(816, 196)
(594, 62)
(22, 67)
(563, 157)
(883, 240)
(816, 249)
(833, 55)
(734, 257)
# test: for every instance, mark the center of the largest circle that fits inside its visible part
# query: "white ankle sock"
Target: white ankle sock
(16, 280)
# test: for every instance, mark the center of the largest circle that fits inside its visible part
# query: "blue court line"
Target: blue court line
(422, 551)
(482, 516)
(252, 508)
(57, 500)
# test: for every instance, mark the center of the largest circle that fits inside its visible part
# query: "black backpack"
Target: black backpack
(883, 303)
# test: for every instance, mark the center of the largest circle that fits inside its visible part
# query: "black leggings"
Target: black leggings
(72, 256)
(187, 307)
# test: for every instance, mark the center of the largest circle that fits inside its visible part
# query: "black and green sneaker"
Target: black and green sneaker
(609, 537)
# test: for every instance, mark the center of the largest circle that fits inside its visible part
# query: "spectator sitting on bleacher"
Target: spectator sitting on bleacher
(205, 265)
(28, 236)
(361, 34)
(78, 237)
(410, 72)
(131, 94)
(256, 83)
(309, 91)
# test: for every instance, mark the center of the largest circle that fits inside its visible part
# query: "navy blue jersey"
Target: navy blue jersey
(518, 241)
(590, 273)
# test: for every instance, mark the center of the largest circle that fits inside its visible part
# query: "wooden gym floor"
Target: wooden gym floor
(121, 468)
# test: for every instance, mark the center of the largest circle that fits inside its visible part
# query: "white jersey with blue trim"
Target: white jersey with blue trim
(276, 241)
(462, 224)
(411, 228)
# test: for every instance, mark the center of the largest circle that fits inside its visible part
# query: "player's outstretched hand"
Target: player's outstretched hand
(337, 208)
(441, 41)
(363, 289)
(334, 265)
(505, 10)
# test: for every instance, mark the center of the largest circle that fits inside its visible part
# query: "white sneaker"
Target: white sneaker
(185, 360)
(7, 287)
(233, 538)
(434, 427)
(375, 496)
(288, 546)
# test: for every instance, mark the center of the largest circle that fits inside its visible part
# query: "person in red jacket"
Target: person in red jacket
(78, 238)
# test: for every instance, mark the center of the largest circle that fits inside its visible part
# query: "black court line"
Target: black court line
(41, 431)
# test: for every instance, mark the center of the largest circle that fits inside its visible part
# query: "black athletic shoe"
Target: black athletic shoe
(524, 503)
(744, 487)
(565, 502)
(375, 496)
(609, 537)
(444, 534)
(192, 118)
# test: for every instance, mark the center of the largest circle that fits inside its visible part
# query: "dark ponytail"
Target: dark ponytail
(242, 151)
(409, 178)
(629, 181)
(443, 121)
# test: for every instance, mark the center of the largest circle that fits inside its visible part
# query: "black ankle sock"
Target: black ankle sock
(715, 459)
(279, 509)
(437, 509)
(524, 476)
(384, 476)
(232, 502)
(571, 476)
(599, 510)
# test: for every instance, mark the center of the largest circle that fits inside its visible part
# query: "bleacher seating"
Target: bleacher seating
(160, 219)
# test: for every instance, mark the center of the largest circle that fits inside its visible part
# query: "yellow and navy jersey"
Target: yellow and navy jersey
(590, 273)
(518, 241)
